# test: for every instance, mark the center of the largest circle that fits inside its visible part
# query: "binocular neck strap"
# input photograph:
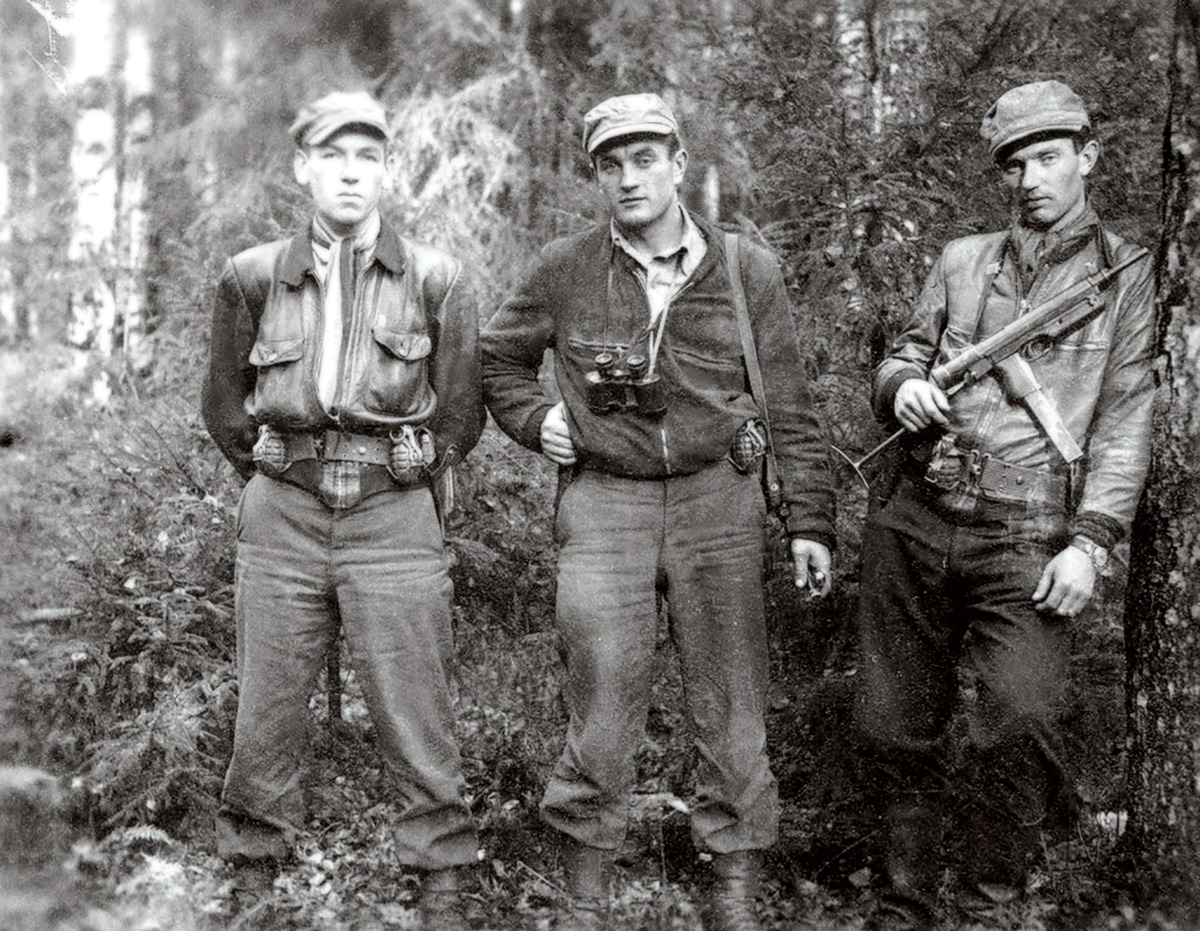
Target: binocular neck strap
(654, 338)
(612, 258)
(652, 332)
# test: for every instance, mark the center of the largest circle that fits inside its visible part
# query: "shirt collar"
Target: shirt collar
(389, 252)
(1034, 246)
(690, 242)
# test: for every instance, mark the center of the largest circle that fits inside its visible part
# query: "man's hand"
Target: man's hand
(919, 403)
(1066, 584)
(556, 436)
(811, 566)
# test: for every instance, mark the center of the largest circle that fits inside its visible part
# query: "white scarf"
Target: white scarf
(334, 266)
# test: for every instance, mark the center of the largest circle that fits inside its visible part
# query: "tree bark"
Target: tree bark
(112, 74)
(135, 105)
(93, 308)
(8, 305)
(881, 42)
(1162, 842)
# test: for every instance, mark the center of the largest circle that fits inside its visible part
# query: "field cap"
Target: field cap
(1040, 107)
(318, 121)
(625, 116)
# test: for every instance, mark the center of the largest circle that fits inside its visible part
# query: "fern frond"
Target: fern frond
(138, 835)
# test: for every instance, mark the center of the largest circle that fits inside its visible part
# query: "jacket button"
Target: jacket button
(362, 450)
(1020, 479)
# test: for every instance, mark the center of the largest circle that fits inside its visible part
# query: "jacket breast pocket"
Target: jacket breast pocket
(726, 377)
(398, 379)
(280, 384)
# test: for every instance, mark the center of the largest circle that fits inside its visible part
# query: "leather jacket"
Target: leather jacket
(1099, 378)
(410, 354)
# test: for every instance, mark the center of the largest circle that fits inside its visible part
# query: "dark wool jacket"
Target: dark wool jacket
(1099, 377)
(410, 353)
(561, 304)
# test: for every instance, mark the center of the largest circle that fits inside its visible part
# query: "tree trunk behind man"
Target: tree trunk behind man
(1163, 601)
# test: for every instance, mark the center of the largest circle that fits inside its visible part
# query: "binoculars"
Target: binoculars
(624, 384)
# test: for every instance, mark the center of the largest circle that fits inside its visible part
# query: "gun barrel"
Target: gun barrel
(1054, 316)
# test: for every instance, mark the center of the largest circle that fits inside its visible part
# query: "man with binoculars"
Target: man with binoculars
(660, 445)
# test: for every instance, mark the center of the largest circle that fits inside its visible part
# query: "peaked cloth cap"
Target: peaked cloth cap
(625, 116)
(319, 120)
(1043, 106)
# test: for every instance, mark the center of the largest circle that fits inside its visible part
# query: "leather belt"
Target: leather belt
(1003, 481)
(338, 446)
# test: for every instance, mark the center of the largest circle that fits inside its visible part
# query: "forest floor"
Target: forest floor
(115, 676)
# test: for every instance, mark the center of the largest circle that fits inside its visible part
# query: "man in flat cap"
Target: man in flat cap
(343, 383)
(1002, 517)
(660, 443)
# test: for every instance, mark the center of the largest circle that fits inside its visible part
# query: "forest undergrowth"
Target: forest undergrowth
(117, 549)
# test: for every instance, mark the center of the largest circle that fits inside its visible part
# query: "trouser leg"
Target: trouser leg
(609, 531)
(906, 688)
(283, 616)
(1020, 661)
(394, 598)
(714, 562)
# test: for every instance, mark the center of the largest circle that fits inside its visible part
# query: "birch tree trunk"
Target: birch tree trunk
(8, 304)
(112, 75)
(881, 43)
(93, 309)
(1163, 599)
(133, 228)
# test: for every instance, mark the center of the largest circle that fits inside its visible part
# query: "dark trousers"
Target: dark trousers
(379, 568)
(699, 538)
(944, 589)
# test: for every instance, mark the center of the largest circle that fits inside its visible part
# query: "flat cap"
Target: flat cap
(319, 120)
(625, 116)
(1043, 106)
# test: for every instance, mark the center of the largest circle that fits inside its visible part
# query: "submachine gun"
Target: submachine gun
(1008, 352)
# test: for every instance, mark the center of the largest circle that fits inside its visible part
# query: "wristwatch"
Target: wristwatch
(1095, 552)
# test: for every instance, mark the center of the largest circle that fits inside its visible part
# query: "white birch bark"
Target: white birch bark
(8, 304)
(881, 43)
(93, 312)
(133, 230)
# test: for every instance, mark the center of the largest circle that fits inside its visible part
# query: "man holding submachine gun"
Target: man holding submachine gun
(1023, 387)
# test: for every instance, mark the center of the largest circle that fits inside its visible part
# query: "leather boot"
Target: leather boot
(734, 889)
(253, 888)
(914, 862)
(586, 871)
(441, 901)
